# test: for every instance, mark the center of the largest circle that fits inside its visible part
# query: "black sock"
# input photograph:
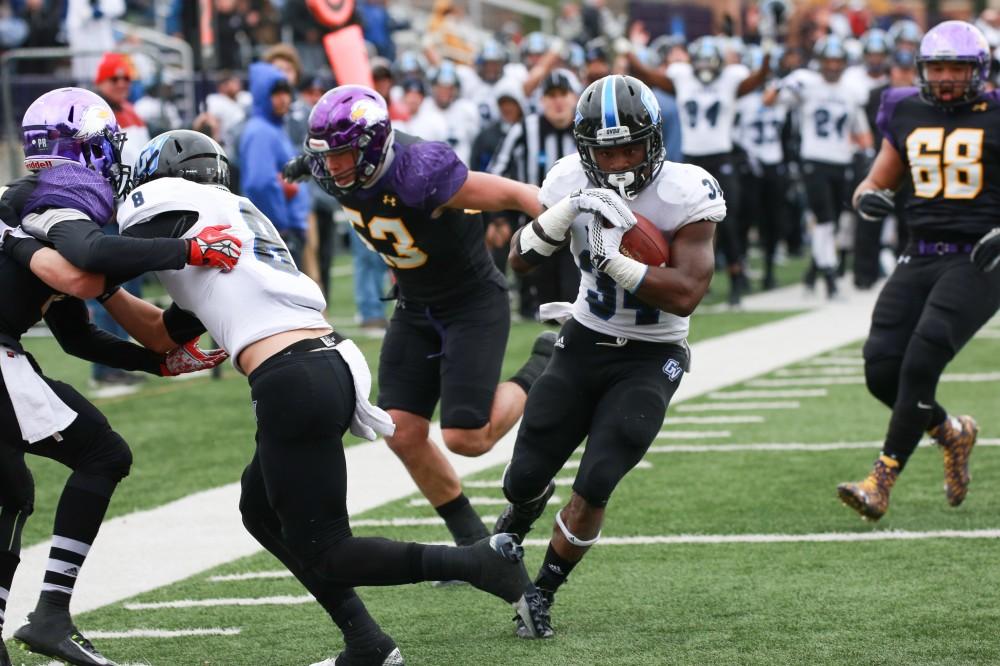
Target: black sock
(8, 565)
(462, 520)
(906, 427)
(359, 628)
(554, 571)
(78, 518)
(449, 563)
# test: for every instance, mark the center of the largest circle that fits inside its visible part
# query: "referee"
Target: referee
(528, 151)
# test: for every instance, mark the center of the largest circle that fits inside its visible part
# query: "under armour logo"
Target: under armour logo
(979, 107)
(673, 370)
(389, 200)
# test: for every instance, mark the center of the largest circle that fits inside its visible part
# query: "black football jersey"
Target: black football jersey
(24, 295)
(952, 160)
(434, 259)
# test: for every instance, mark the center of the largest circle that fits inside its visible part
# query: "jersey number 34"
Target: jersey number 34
(952, 164)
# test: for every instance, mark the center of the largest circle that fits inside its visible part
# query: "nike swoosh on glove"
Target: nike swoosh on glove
(189, 357)
(874, 205)
(604, 203)
(214, 248)
(986, 253)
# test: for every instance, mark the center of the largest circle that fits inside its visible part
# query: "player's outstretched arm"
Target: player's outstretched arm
(651, 76)
(873, 196)
(484, 191)
(141, 319)
(679, 288)
(53, 269)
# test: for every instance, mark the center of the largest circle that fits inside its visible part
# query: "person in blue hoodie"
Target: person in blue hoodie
(264, 149)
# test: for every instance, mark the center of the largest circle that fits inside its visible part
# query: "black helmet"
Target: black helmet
(182, 154)
(617, 111)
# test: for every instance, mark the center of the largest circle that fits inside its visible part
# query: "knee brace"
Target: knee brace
(514, 498)
(575, 540)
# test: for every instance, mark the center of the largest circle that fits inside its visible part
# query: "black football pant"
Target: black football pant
(928, 310)
(763, 200)
(613, 396)
(98, 456)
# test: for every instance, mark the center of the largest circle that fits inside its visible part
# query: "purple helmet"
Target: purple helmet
(954, 42)
(73, 125)
(346, 118)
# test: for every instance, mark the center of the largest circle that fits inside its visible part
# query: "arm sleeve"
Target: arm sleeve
(84, 245)
(21, 249)
(70, 323)
(182, 326)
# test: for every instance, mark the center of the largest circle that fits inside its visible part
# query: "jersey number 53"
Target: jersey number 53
(406, 255)
(951, 164)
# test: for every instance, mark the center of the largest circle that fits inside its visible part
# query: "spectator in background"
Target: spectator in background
(229, 105)
(307, 35)
(461, 116)
(382, 83)
(264, 147)
(569, 23)
(447, 32)
(88, 30)
(231, 28)
(43, 19)
(426, 121)
(600, 21)
(156, 107)
(378, 26)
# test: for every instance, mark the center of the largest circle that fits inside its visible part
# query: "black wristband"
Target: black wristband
(536, 226)
(109, 293)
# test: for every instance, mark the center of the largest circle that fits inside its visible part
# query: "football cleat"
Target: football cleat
(539, 622)
(870, 497)
(53, 635)
(956, 437)
(394, 658)
(517, 519)
(501, 567)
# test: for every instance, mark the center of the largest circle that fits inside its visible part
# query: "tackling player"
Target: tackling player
(943, 137)
(308, 385)
(621, 355)
(72, 145)
(414, 203)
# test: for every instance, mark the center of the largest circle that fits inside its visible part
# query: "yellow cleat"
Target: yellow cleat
(956, 437)
(870, 497)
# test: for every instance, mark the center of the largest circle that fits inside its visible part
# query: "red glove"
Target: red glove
(213, 248)
(190, 358)
(289, 189)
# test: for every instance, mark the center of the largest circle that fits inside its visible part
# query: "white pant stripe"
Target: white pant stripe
(3, 593)
(62, 568)
(49, 587)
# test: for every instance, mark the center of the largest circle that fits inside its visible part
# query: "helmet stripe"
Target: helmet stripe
(609, 108)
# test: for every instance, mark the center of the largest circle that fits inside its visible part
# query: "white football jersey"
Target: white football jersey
(857, 77)
(759, 127)
(680, 194)
(829, 113)
(462, 122)
(707, 110)
(263, 295)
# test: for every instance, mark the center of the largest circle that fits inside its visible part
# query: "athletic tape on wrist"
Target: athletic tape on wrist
(627, 272)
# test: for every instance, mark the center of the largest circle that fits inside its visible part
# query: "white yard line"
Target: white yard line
(694, 434)
(713, 420)
(789, 446)
(281, 600)
(479, 501)
(753, 395)
(496, 483)
(821, 537)
(737, 406)
(814, 372)
(163, 633)
(948, 377)
(146, 550)
(253, 575)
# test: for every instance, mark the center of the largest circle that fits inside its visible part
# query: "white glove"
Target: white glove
(606, 256)
(622, 46)
(605, 204)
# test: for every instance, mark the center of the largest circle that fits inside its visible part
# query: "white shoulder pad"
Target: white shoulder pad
(705, 199)
(159, 196)
(565, 177)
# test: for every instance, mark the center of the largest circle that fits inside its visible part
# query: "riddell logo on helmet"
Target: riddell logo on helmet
(37, 164)
(613, 133)
(318, 144)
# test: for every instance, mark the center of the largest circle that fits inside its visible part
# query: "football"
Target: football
(645, 243)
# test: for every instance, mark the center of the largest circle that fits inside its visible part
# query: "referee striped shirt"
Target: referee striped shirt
(530, 148)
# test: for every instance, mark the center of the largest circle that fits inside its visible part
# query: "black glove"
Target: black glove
(874, 205)
(986, 254)
(296, 169)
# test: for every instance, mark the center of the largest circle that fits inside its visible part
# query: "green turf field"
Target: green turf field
(654, 601)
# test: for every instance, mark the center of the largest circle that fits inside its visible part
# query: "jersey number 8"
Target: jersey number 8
(953, 164)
